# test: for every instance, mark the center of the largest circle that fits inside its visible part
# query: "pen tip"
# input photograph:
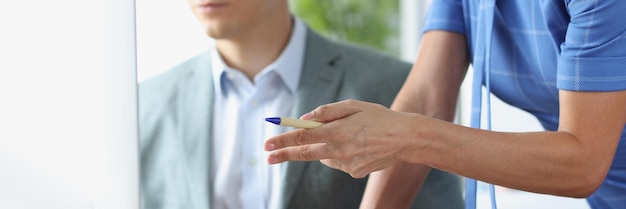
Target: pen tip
(275, 120)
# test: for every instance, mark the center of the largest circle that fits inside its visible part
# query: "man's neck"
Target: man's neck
(250, 53)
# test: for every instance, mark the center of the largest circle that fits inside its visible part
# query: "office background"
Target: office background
(68, 128)
(168, 34)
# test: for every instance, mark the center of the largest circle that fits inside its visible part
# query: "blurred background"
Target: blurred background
(375, 24)
(168, 34)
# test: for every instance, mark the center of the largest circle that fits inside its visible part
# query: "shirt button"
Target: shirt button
(254, 103)
(252, 162)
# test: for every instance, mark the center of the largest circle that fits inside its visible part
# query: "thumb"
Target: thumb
(334, 111)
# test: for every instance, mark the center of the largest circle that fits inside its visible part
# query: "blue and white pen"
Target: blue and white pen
(292, 122)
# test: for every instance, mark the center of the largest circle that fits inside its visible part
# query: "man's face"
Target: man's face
(224, 19)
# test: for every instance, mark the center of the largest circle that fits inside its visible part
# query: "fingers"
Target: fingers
(318, 152)
(334, 111)
(299, 153)
(338, 143)
(292, 138)
(324, 134)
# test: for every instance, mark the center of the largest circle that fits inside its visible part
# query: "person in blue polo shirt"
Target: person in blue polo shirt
(564, 61)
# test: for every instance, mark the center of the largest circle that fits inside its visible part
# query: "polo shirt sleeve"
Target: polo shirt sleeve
(593, 55)
(445, 15)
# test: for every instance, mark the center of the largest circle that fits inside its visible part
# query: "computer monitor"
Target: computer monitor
(68, 106)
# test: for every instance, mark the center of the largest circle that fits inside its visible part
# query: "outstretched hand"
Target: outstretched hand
(358, 138)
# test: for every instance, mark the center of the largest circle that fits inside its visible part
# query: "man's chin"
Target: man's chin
(217, 32)
(216, 35)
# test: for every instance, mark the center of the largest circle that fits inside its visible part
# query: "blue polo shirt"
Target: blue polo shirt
(541, 46)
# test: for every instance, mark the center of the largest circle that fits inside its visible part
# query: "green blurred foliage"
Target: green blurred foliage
(372, 23)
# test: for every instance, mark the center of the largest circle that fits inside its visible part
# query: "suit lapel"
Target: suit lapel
(196, 110)
(319, 84)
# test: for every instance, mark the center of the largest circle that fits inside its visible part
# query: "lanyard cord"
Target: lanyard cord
(481, 68)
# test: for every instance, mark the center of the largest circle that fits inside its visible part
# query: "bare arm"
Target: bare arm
(431, 89)
(361, 137)
(572, 161)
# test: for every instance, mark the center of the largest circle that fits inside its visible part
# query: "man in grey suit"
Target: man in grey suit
(202, 128)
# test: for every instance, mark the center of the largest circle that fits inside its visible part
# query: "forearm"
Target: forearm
(572, 161)
(394, 187)
(433, 85)
(543, 162)
(431, 89)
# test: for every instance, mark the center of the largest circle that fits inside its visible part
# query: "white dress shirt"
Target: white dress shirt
(241, 176)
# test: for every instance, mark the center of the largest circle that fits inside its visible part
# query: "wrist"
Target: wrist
(416, 140)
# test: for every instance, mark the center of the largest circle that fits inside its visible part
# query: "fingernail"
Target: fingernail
(307, 116)
(270, 147)
(272, 160)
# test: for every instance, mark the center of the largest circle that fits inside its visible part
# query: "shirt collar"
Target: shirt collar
(288, 65)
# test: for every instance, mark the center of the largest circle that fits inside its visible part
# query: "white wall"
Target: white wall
(68, 130)
(167, 34)
(412, 14)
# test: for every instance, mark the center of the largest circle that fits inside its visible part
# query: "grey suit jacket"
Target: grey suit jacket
(175, 130)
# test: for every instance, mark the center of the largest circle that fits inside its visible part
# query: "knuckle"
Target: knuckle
(380, 106)
(354, 103)
(321, 110)
(351, 101)
(302, 137)
(305, 153)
